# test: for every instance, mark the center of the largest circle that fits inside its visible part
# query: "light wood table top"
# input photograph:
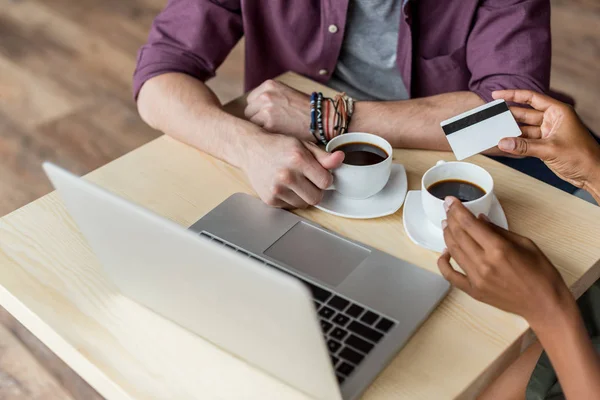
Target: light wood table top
(54, 285)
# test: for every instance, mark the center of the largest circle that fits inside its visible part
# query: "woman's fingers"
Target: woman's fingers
(538, 101)
(527, 116)
(453, 276)
(531, 132)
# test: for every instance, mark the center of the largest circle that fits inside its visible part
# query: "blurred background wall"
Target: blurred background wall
(65, 77)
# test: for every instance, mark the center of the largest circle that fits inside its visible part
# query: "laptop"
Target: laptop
(318, 311)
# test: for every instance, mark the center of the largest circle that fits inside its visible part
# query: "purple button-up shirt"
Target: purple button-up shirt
(443, 46)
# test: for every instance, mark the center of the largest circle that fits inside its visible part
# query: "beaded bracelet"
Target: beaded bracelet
(327, 135)
(320, 118)
(313, 115)
(341, 107)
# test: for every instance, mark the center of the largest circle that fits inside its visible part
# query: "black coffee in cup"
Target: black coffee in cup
(462, 190)
(360, 153)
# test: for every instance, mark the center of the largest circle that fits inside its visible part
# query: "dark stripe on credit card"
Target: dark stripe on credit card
(475, 118)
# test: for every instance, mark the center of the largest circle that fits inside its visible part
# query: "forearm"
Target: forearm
(570, 350)
(186, 109)
(412, 123)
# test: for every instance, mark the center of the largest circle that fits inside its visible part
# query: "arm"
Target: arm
(570, 350)
(168, 81)
(510, 272)
(413, 123)
(185, 108)
(508, 47)
(180, 54)
(279, 108)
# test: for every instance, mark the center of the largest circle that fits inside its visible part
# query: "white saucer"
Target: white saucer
(386, 202)
(425, 234)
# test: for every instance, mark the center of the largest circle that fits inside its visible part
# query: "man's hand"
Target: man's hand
(278, 108)
(500, 268)
(287, 172)
(553, 133)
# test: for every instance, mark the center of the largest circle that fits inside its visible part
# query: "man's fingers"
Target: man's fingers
(538, 101)
(307, 191)
(317, 169)
(318, 175)
(257, 119)
(278, 203)
(527, 116)
(525, 147)
(257, 92)
(327, 160)
(290, 197)
(251, 110)
(267, 86)
(453, 276)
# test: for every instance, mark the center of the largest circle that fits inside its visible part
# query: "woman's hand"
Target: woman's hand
(501, 268)
(553, 132)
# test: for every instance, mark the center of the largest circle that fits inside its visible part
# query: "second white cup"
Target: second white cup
(434, 207)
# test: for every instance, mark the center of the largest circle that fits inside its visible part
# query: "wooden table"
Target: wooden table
(53, 284)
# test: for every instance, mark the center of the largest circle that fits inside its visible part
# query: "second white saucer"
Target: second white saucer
(386, 202)
(425, 234)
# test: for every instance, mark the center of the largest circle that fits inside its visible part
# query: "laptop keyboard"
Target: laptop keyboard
(351, 331)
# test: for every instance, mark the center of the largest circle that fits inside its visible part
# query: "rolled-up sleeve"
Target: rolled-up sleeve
(510, 47)
(189, 36)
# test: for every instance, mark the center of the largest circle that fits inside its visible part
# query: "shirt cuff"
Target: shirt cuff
(486, 87)
(154, 62)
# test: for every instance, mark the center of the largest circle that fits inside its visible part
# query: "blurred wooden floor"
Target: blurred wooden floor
(65, 78)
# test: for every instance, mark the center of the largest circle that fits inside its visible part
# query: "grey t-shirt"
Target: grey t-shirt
(366, 68)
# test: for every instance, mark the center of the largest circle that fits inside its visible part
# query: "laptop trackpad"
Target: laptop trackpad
(317, 253)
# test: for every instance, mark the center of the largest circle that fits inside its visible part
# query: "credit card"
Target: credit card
(480, 129)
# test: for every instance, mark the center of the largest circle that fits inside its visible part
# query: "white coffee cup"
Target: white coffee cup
(361, 181)
(434, 207)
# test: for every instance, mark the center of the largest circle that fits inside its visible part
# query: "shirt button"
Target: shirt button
(333, 28)
(323, 72)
